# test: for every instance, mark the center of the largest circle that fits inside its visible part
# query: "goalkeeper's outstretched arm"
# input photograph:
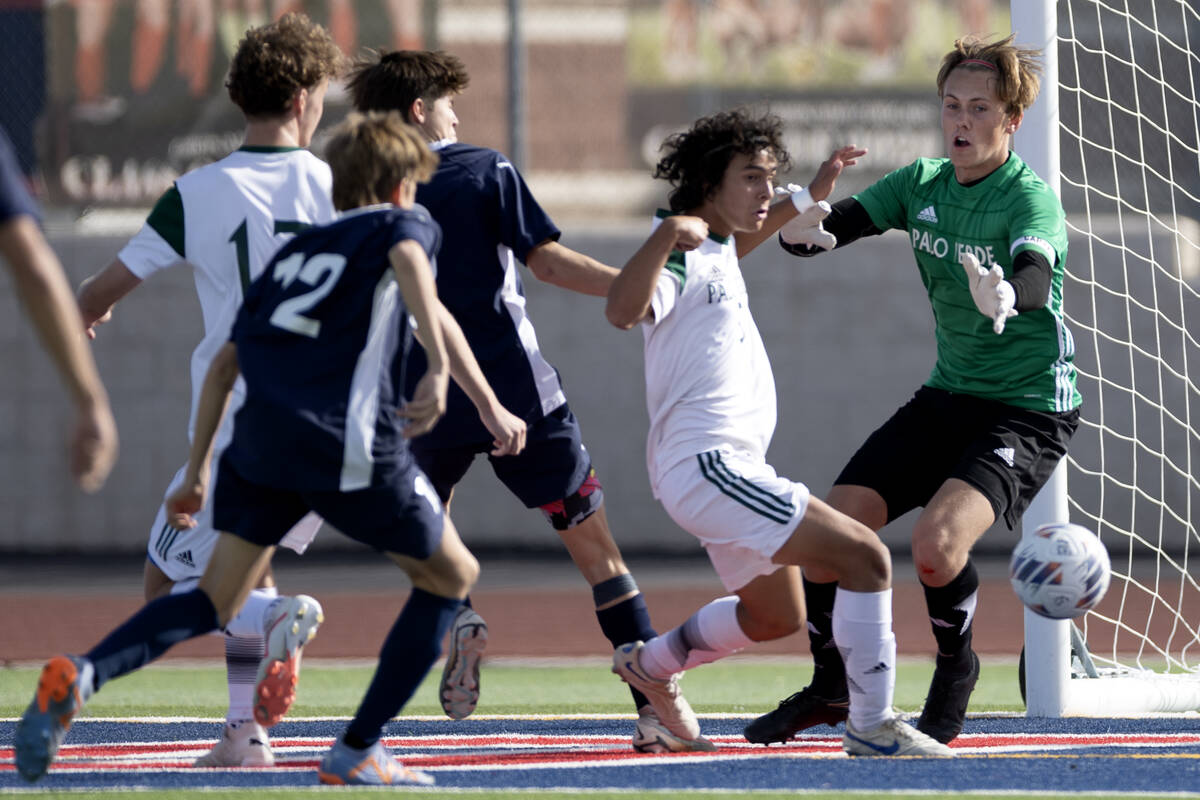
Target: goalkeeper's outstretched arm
(847, 221)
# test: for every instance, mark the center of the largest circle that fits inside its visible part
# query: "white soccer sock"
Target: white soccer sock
(249, 621)
(242, 657)
(862, 628)
(710, 634)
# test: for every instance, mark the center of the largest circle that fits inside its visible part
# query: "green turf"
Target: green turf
(740, 686)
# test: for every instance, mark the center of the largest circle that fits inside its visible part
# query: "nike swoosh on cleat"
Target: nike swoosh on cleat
(887, 751)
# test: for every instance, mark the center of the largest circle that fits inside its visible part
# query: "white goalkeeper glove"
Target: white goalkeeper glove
(993, 296)
(806, 228)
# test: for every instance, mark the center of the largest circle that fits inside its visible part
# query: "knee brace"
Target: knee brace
(582, 503)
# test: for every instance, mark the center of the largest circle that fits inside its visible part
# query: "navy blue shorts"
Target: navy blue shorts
(552, 466)
(400, 515)
(1005, 452)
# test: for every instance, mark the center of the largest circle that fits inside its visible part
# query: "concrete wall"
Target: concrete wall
(849, 334)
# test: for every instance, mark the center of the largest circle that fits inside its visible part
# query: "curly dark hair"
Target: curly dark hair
(696, 160)
(275, 61)
(385, 81)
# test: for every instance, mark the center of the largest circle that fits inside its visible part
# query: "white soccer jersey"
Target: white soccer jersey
(709, 384)
(226, 220)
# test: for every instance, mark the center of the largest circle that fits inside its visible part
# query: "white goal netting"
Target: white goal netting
(1128, 74)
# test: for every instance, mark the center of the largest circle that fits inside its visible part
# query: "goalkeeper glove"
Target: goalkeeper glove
(806, 228)
(993, 296)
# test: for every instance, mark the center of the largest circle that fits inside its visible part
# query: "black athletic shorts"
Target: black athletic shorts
(1005, 452)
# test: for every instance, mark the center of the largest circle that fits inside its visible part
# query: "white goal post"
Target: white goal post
(1114, 131)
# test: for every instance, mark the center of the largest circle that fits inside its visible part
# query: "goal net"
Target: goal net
(1129, 177)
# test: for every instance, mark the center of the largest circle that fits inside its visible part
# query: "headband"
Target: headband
(979, 62)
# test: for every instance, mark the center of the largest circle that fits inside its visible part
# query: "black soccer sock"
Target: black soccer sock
(829, 672)
(160, 625)
(409, 650)
(951, 612)
(627, 621)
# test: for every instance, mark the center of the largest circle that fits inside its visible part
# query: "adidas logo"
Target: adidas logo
(185, 558)
(1006, 454)
(927, 214)
(880, 667)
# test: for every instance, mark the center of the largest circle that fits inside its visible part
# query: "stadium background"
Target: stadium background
(850, 334)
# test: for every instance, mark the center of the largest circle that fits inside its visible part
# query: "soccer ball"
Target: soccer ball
(1061, 571)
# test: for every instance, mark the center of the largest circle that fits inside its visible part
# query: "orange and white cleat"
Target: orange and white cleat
(293, 623)
(375, 766)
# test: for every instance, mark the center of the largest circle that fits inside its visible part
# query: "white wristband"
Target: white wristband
(802, 200)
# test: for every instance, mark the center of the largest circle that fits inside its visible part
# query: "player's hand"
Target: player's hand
(507, 428)
(427, 405)
(993, 296)
(90, 330)
(806, 228)
(689, 232)
(827, 174)
(93, 447)
(184, 503)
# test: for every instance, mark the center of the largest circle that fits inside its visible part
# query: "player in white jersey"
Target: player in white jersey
(711, 398)
(226, 220)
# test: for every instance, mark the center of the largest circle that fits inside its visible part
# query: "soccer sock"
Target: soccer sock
(951, 611)
(711, 633)
(243, 654)
(627, 621)
(829, 672)
(149, 633)
(862, 627)
(249, 621)
(409, 650)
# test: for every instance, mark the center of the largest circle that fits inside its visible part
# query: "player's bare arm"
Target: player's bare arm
(99, 293)
(44, 292)
(632, 290)
(800, 199)
(415, 277)
(559, 265)
(191, 496)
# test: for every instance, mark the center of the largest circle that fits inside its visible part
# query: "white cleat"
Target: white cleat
(293, 624)
(893, 737)
(459, 690)
(651, 736)
(243, 743)
(669, 704)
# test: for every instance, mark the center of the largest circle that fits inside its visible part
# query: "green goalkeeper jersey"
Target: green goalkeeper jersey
(1029, 365)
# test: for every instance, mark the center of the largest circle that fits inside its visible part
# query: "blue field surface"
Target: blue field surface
(998, 754)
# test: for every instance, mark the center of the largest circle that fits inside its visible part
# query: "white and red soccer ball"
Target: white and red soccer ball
(1061, 571)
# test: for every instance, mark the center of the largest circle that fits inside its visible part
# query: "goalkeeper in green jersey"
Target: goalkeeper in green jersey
(990, 242)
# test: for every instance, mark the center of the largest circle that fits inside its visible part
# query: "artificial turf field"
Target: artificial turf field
(559, 730)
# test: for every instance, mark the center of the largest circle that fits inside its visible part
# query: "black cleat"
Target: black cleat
(802, 710)
(946, 704)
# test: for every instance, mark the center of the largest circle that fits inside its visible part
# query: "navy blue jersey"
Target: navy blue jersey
(15, 200)
(322, 339)
(491, 221)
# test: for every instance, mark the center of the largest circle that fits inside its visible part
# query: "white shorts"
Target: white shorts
(739, 509)
(183, 554)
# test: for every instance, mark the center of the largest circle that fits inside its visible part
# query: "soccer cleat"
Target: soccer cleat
(459, 690)
(64, 686)
(669, 704)
(243, 743)
(893, 737)
(946, 704)
(802, 710)
(293, 624)
(651, 736)
(375, 766)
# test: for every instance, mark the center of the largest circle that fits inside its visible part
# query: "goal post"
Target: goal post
(1114, 132)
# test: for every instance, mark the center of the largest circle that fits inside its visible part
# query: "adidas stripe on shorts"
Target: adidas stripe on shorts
(739, 509)
(183, 554)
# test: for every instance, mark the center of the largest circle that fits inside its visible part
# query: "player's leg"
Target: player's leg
(407, 523)
(68, 681)
(942, 539)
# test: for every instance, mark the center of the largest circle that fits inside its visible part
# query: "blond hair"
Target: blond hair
(1017, 70)
(370, 154)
